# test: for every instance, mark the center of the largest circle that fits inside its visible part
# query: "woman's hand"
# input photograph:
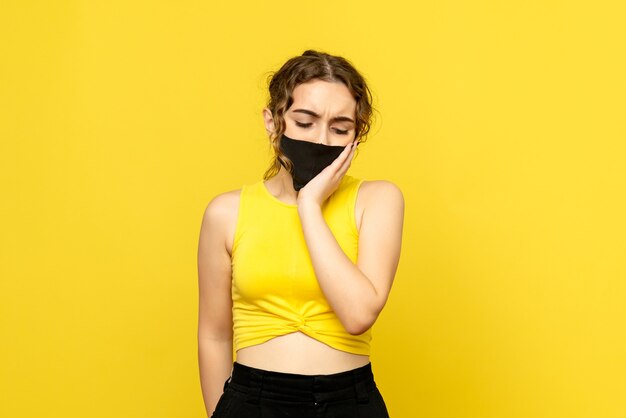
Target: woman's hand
(326, 182)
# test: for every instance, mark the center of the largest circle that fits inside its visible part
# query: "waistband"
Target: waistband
(258, 383)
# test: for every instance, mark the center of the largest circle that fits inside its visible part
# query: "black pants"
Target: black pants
(257, 393)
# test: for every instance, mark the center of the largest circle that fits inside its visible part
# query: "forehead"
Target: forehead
(323, 96)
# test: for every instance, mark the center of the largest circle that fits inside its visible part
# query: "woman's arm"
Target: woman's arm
(215, 346)
(357, 293)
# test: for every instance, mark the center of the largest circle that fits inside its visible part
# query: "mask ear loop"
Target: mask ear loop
(277, 140)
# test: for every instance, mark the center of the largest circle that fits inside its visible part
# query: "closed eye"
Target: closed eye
(307, 125)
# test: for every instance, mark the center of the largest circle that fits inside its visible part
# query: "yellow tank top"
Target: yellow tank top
(274, 288)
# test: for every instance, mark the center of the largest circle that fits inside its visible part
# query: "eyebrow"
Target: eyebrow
(336, 118)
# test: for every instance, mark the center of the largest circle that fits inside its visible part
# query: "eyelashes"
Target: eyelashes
(307, 125)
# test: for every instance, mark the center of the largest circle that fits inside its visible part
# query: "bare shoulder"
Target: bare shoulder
(221, 212)
(376, 189)
(382, 195)
(221, 205)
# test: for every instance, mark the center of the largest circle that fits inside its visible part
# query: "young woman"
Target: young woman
(295, 268)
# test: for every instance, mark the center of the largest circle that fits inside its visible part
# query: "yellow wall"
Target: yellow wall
(502, 122)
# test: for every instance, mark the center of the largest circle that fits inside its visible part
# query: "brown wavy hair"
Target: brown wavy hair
(306, 67)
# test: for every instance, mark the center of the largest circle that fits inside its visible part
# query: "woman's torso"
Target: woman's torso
(295, 352)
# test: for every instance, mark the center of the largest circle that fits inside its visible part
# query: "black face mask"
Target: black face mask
(308, 158)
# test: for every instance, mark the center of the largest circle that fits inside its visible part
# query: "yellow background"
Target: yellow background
(502, 122)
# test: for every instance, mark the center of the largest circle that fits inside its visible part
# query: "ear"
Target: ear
(269, 121)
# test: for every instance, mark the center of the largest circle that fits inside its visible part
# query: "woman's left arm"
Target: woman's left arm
(357, 293)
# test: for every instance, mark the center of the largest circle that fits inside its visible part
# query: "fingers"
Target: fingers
(346, 151)
(350, 155)
(346, 158)
(343, 161)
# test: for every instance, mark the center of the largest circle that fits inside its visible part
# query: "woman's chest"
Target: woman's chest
(274, 259)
